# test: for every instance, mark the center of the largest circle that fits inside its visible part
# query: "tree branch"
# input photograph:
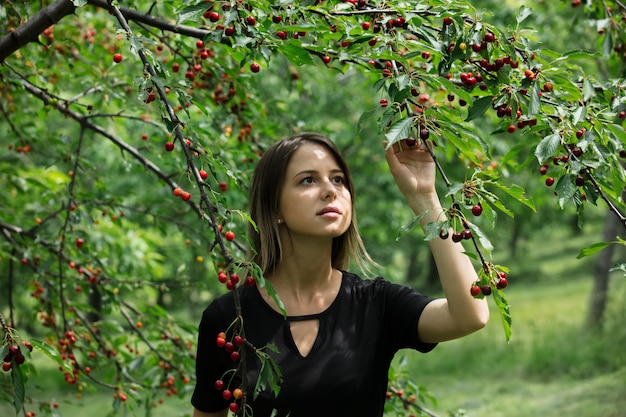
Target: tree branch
(29, 31)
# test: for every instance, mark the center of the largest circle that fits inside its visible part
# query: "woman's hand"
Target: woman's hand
(413, 169)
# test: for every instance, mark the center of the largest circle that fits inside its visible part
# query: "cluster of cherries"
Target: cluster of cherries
(15, 356)
(501, 283)
(232, 348)
(232, 280)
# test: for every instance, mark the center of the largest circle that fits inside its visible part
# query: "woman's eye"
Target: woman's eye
(307, 180)
(339, 179)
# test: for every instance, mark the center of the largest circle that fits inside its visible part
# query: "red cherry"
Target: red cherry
(251, 20)
(255, 67)
(485, 289)
(185, 196)
(366, 25)
(177, 192)
(79, 242)
(502, 283)
(447, 21)
(223, 186)
(175, 67)
(237, 340)
(384, 102)
(549, 181)
(234, 356)
(117, 58)
(477, 210)
(230, 236)
(169, 146)
(203, 174)
(234, 407)
(226, 394)
(219, 385)
(474, 290)
(326, 59)
(250, 282)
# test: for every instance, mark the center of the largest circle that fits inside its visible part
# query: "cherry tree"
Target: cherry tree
(131, 132)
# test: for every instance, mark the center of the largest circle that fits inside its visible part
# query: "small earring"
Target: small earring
(279, 221)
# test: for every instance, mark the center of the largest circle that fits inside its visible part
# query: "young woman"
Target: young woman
(341, 332)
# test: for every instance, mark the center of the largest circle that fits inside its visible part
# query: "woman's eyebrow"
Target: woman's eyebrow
(314, 171)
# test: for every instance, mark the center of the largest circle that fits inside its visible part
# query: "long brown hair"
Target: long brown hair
(265, 189)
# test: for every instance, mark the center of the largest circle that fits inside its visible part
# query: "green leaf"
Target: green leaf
(547, 147)
(523, 13)
(410, 226)
(191, 13)
(17, 378)
(565, 189)
(399, 130)
(479, 107)
(50, 352)
(295, 54)
(515, 191)
(579, 114)
(593, 249)
(269, 374)
(482, 238)
(505, 313)
(589, 90)
(535, 101)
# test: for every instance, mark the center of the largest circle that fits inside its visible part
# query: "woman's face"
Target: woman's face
(314, 199)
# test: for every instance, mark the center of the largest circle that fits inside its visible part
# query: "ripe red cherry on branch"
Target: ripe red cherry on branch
(219, 385)
(169, 146)
(117, 58)
(326, 59)
(203, 174)
(79, 242)
(477, 210)
(226, 394)
(185, 196)
(474, 290)
(549, 181)
(502, 283)
(230, 236)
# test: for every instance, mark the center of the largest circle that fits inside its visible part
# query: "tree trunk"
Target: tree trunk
(95, 302)
(600, 288)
